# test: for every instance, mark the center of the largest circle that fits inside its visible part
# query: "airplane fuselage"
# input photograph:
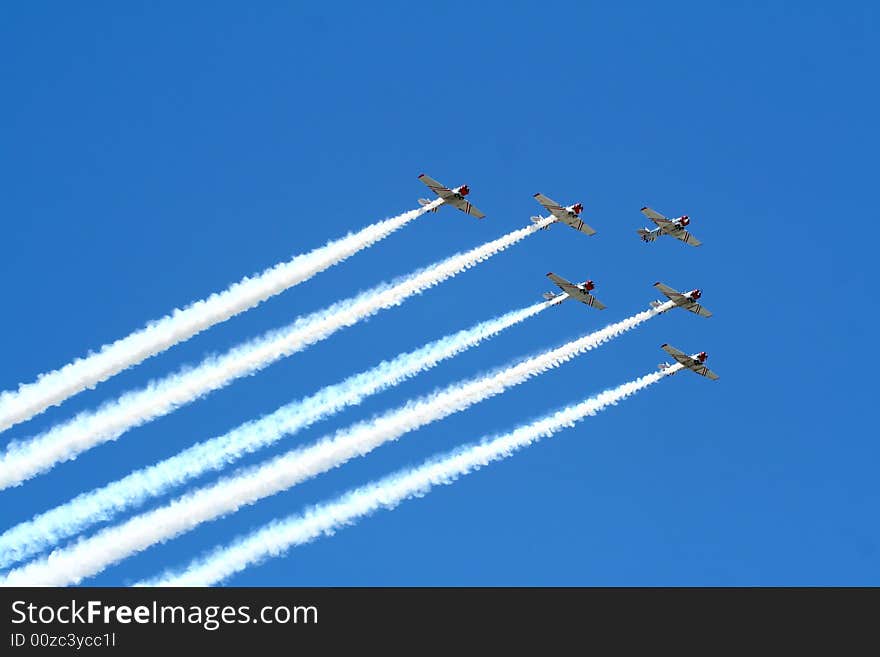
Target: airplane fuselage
(688, 297)
(676, 225)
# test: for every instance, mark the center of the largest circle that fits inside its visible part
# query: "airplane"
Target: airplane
(454, 197)
(688, 300)
(568, 215)
(673, 227)
(693, 363)
(579, 292)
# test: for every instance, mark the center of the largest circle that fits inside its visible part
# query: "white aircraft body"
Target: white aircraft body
(568, 215)
(672, 227)
(688, 300)
(693, 363)
(453, 197)
(578, 292)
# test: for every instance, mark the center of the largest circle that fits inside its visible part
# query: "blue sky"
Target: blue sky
(156, 152)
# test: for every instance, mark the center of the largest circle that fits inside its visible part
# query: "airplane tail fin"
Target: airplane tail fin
(424, 201)
(537, 220)
(549, 296)
(663, 366)
(655, 304)
(647, 235)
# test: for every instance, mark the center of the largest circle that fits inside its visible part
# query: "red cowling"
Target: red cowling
(702, 356)
(589, 285)
(696, 294)
(684, 221)
(464, 190)
(577, 208)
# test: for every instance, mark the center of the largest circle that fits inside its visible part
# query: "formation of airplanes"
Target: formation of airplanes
(571, 216)
(568, 214)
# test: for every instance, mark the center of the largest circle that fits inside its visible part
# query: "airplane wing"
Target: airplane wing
(591, 301)
(669, 293)
(441, 191)
(679, 234)
(676, 354)
(702, 370)
(563, 215)
(550, 205)
(576, 293)
(464, 205)
(656, 217)
(694, 307)
(566, 286)
(578, 224)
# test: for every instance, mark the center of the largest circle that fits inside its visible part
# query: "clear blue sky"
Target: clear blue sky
(155, 152)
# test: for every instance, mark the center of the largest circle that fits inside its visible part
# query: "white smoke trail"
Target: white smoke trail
(49, 528)
(279, 536)
(25, 459)
(113, 544)
(52, 388)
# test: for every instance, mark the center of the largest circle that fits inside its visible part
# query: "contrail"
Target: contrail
(279, 536)
(25, 459)
(49, 528)
(52, 388)
(90, 556)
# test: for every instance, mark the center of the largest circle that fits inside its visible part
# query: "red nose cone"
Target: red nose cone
(685, 220)
(589, 285)
(578, 208)
(464, 190)
(702, 356)
(697, 294)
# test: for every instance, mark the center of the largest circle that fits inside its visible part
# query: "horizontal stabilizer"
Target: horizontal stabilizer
(424, 201)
